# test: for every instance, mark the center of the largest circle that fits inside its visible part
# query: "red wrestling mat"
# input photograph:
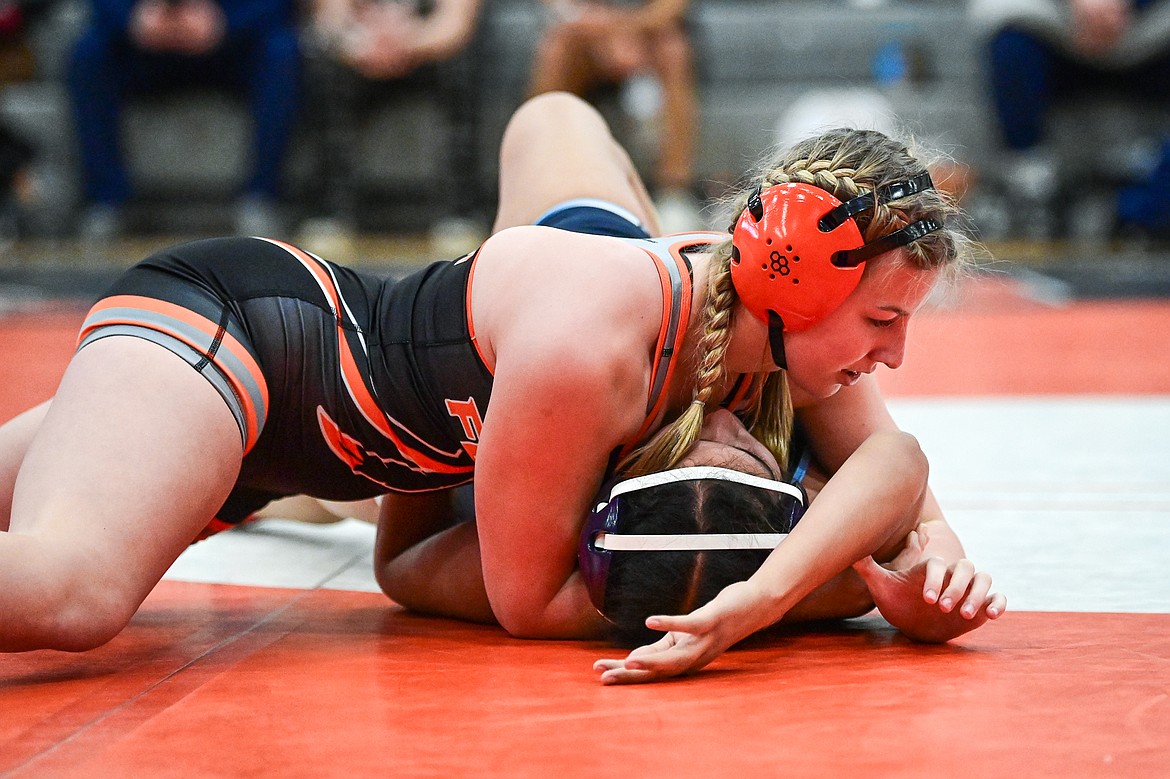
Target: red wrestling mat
(215, 680)
(34, 351)
(999, 343)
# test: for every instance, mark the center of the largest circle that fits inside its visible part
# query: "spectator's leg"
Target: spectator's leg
(1026, 75)
(273, 92)
(96, 85)
(1021, 74)
(1146, 205)
(672, 60)
(674, 66)
(563, 62)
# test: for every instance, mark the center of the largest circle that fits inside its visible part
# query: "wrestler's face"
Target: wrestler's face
(867, 330)
(726, 443)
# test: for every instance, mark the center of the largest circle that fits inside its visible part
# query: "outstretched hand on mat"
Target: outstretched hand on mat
(925, 598)
(691, 641)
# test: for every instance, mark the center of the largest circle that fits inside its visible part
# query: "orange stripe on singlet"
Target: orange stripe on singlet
(473, 258)
(351, 374)
(203, 325)
(667, 347)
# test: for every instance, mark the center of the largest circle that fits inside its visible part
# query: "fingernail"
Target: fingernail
(946, 603)
(968, 612)
(993, 612)
(931, 596)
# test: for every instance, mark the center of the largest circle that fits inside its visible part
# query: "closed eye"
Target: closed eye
(883, 322)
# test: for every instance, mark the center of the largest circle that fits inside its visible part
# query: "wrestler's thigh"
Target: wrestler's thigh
(136, 453)
(558, 148)
(15, 436)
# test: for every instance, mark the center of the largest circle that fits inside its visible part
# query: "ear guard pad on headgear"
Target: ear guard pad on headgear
(782, 261)
(797, 252)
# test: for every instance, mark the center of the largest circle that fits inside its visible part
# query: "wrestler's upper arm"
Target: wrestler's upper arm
(556, 414)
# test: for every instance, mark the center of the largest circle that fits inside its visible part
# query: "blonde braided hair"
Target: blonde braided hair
(846, 163)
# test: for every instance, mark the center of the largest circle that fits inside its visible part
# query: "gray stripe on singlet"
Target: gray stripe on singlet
(152, 320)
(192, 357)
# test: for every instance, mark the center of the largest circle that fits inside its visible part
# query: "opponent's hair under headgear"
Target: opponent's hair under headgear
(797, 252)
(603, 533)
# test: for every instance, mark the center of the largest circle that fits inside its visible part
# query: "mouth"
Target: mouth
(851, 377)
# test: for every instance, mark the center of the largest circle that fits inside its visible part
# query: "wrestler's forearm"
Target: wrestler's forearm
(940, 541)
(443, 575)
(406, 519)
(866, 508)
(440, 575)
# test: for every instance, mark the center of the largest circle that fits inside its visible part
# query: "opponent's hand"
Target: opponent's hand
(929, 600)
(691, 641)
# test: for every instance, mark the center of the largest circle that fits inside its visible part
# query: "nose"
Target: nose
(892, 351)
(720, 425)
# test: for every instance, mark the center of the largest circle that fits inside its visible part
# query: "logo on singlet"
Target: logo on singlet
(472, 421)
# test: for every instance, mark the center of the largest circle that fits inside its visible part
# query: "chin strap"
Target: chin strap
(776, 339)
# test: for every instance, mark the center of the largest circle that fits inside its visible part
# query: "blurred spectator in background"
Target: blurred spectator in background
(1043, 51)
(363, 54)
(16, 184)
(643, 46)
(16, 153)
(16, 57)
(147, 46)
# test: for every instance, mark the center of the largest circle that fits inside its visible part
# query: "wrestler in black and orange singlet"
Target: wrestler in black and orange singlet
(345, 385)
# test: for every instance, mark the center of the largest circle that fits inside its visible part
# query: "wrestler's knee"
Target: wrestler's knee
(76, 611)
(537, 115)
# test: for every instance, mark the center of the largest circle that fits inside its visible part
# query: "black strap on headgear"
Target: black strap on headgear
(864, 202)
(908, 234)
(755, 205)
(776, 339)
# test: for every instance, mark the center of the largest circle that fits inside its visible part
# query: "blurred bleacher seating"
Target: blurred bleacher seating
(755, 58)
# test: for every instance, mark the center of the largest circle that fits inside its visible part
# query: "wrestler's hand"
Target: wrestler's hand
(691, 641)
(931, 601)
